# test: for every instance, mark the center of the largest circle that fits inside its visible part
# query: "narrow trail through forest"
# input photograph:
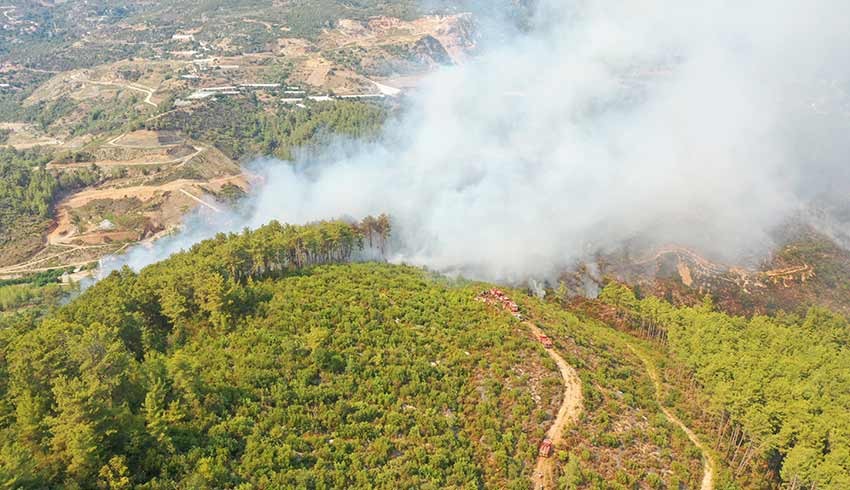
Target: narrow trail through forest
(568, 413)
(708, 460)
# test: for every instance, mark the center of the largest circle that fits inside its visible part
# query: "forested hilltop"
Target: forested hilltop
(262, 360)
(265, 359)
(231, 364)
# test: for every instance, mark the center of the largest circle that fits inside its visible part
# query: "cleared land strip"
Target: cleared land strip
(707, 458)
(568, 413)
(199, 200)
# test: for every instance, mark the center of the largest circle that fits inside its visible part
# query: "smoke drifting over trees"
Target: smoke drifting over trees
(701, 123)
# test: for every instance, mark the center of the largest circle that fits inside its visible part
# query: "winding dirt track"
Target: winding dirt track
(707, 458)
(568, 413)
(138, 88)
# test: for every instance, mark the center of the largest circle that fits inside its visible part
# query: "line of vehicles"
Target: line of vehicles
(498, 298)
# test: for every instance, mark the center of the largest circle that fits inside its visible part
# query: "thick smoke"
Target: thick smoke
(705, 124)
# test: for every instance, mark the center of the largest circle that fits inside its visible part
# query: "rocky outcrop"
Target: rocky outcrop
(429, 51)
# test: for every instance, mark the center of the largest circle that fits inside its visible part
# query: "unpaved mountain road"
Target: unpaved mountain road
(130, 86)
(199, 200)
(30, 266)
(117, 163)
(568, 413)
(65, 231)
(708, 460)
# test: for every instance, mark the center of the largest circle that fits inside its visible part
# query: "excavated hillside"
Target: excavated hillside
(808, 269)
(149, 180)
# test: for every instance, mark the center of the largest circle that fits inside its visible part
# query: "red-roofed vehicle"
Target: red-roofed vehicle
(546, 341)
(545, 449)
(498, 297)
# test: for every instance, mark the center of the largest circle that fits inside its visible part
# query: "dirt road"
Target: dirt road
(568, 413)
(708, 460)
(131, 86)
(143, 192)
(32, 266)
(199, 200)
(143, 163)
(65, 231)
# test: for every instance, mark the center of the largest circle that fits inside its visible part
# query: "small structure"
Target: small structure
(545, 449)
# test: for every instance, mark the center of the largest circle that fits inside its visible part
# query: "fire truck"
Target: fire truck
(545, 449)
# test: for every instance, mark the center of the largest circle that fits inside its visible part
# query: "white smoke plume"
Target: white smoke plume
(700, 123)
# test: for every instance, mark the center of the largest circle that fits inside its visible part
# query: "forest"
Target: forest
(249, 361)
(777, 385)
(27, 193)
(266, 359)
(40, 291)
(245, 128)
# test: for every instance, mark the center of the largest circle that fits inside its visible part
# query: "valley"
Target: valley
(131, 125)
(517, 244)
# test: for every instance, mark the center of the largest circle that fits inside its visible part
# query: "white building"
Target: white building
(259, 85)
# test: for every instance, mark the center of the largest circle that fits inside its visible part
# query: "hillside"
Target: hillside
(118, 118)
(770, 392)
(72, 207)
(805, 268)
(535, 245)
(250, 360)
